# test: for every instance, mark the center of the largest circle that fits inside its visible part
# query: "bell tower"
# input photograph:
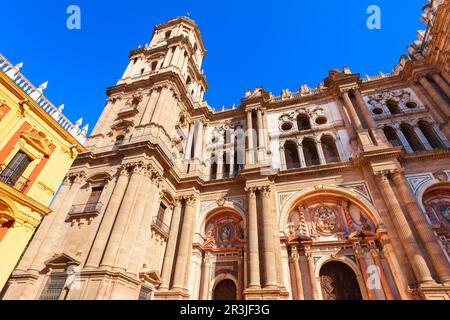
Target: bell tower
(161, 84)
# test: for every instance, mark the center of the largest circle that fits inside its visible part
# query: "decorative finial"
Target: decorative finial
(188, 14)
(38, 93)
(13, 71)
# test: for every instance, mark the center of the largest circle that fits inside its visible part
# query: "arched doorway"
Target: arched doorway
(338, 282)
(225, 290)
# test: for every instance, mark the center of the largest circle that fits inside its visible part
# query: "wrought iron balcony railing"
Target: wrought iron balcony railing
(159, 226)
(13, 178)
(85, 210)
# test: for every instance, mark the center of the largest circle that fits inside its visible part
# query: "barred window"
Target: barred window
(54, 286)
(145, 293)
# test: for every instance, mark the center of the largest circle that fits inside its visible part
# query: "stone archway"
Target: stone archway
(339, 282)
(225, 290)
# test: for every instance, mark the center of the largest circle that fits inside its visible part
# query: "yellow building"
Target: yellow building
(37, 147)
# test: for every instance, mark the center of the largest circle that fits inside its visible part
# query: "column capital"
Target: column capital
(251, 191)
(77, 177)
(191, 200)
(177, 201)
(382, 175)
(266, 191)
(397, 174)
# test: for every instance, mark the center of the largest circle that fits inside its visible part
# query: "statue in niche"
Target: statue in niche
(225, 235)
(326, 219)
(291, 229)
(240, 232)
(210, 235)
(364, 223)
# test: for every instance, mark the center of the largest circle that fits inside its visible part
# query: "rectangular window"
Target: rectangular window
(54, 286)
(16, 167)
(94, 197)
(145, 293)
(161, 211)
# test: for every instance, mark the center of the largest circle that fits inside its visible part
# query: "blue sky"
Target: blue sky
(276, 44)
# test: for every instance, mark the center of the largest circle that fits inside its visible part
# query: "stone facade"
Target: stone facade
(334, 192)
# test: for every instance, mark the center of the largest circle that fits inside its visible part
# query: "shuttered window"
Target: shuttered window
(15, 168)
(54, 286)
(145, 293)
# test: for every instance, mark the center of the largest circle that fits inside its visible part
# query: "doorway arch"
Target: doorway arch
(339, 282)
(225, 290)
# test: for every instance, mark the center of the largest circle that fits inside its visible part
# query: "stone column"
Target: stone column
(206, 276)
(312, 277)
(426, 234)
(418, 89)
(297, 273)
(403, 140)
(231, 161)
(253, 244)
(260, 130)
(266, 130)
(121, 222)
(282, 159)
(359, 251)
(365, 112)
(441, 83)
(355, 119)
(268, 254)
(127, 244)
(58, 225)
(141, 227)
(301, 155)
(168, 57)
(404, 231)
(174, 58)
(189, 142)
(320, 152)
(150, 107)
(441, 103)
(422, 138)
(198, 143)
(384, 282)
(171, 246)
(107, 222)
(250, 147)
(185, 244)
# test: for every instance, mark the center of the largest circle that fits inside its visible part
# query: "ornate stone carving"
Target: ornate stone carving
(326, 220)
(440, 175)
(266, 191)
(221, 201)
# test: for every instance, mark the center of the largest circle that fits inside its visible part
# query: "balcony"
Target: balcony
(88, 210)
(13, 179)
(160, 227)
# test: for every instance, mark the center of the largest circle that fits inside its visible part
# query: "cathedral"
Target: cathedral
(337, 192)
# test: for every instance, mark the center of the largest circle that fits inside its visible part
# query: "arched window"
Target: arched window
(213, 171)
(226, 165)
(430, 134)
(411, 137)
(330, 150)
(167, 34)
(303, 122)
(393, 107)
(291, 155)
(391, 136)
(154, 65)
(188, 80)
(119, 140)
(310, 152)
